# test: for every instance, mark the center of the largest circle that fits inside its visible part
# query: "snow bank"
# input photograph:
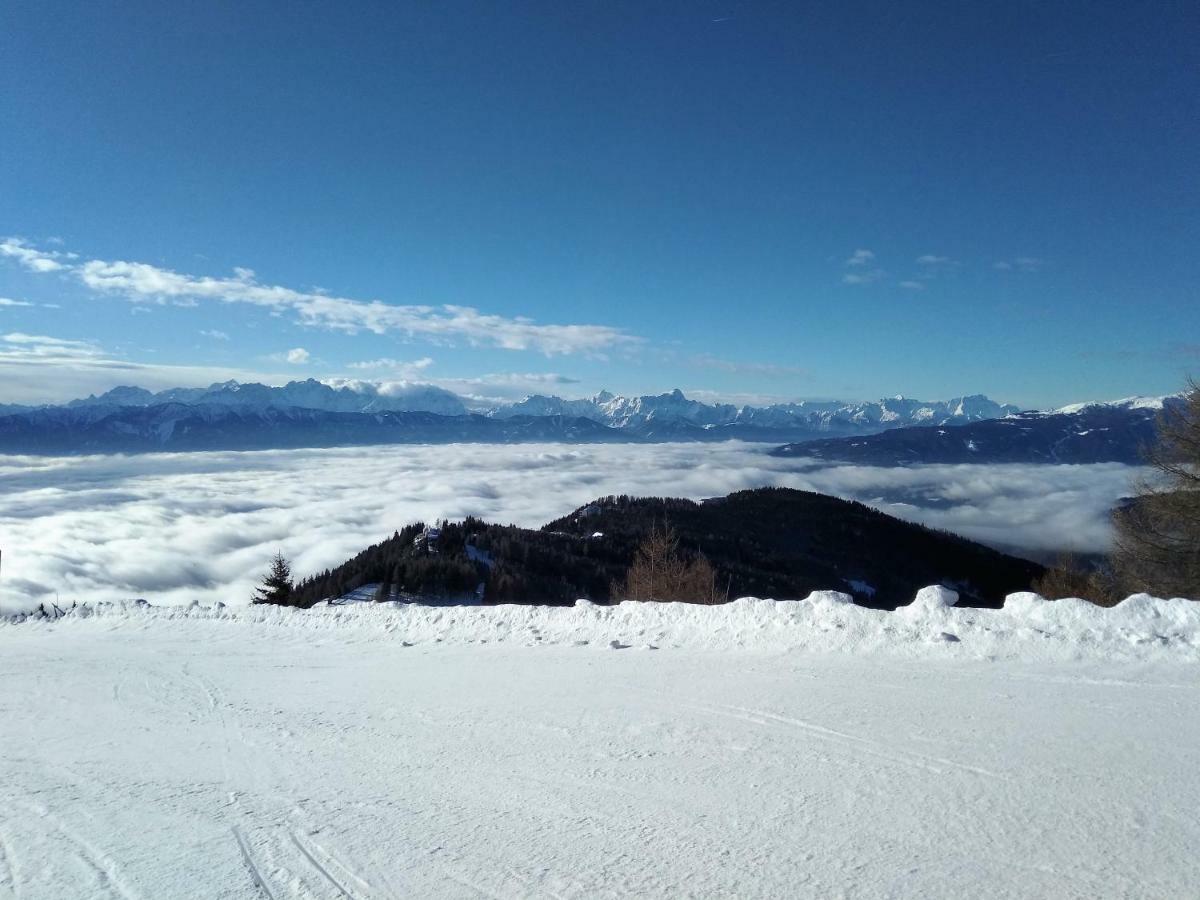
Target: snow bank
(1028, 627)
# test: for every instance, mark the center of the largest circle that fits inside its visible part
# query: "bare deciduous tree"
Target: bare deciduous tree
(1157, 544)
(660, 573)
(1071, 576)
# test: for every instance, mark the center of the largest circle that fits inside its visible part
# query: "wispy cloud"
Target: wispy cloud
(862, 261)
(448, 323)
(18, 345)
(215, 334)
(932, 259)
(912, 285)
(34, 260)
(5, 301)
(501, 387)
(415, 365)
(37, 368)
(774, 370)
(1019, 264)
(868, 277)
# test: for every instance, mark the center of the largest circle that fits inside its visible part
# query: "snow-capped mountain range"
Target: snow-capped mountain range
(356, 397)
(820, 416)
(605, 408)
(232, 416)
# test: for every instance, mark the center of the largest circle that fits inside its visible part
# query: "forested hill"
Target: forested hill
(770, 542)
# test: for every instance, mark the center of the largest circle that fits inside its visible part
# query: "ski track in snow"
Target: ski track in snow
(388, 752)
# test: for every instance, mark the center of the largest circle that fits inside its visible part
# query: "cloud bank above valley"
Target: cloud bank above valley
(201, 526)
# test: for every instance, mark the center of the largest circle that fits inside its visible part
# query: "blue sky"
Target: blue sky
(751, 200)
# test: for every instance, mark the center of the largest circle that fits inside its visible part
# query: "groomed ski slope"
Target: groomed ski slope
(808, 749)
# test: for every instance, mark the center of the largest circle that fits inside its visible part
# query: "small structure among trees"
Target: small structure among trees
(660, 572)
(276, 587)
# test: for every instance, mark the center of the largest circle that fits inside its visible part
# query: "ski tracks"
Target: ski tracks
(899, 756)
(8, 866)
(332, 860)
(286, 863)
(44, 827)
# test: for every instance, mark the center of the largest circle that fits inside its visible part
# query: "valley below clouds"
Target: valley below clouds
(173, 528)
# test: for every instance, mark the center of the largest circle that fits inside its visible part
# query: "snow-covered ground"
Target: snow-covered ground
(808, 749)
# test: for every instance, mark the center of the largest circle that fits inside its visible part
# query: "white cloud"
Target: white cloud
(1019, 264)
(860, 257)
(18, 345)
(297, 356)
(773, 370)
(868, 277)
(215, 334)
(738, 398)
(31, 258)
(448, 323)
(415, 365)
(930, 259)
(5, 301)
(177, 527)
(912, 285)
(42, 369)
(484, 391)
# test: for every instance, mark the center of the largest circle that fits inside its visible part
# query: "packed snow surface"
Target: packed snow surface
(803, 749)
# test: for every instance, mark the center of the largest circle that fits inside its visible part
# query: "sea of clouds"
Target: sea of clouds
(178, 527)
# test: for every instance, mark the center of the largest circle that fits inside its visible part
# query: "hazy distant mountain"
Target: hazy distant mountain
(94, 428)
(819, 417)
(1081, 433)
(309, 394)
(232, 416)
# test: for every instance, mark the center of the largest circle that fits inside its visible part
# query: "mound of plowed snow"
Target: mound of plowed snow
(1029, 626)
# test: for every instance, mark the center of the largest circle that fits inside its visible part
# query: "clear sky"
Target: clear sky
(751, 199)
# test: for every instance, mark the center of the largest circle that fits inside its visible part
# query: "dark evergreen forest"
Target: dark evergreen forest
(769, 542)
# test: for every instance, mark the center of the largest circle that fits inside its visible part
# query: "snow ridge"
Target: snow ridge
(1028, 627)
(1125, 403)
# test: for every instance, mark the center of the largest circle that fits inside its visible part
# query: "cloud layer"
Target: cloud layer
(178, 527)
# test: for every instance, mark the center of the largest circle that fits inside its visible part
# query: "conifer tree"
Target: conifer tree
(276, 587)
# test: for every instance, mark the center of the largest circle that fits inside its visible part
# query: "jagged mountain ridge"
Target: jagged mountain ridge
(825, 416)
(356, 397)
(820, 416)
(234, 416)
(184, 427)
